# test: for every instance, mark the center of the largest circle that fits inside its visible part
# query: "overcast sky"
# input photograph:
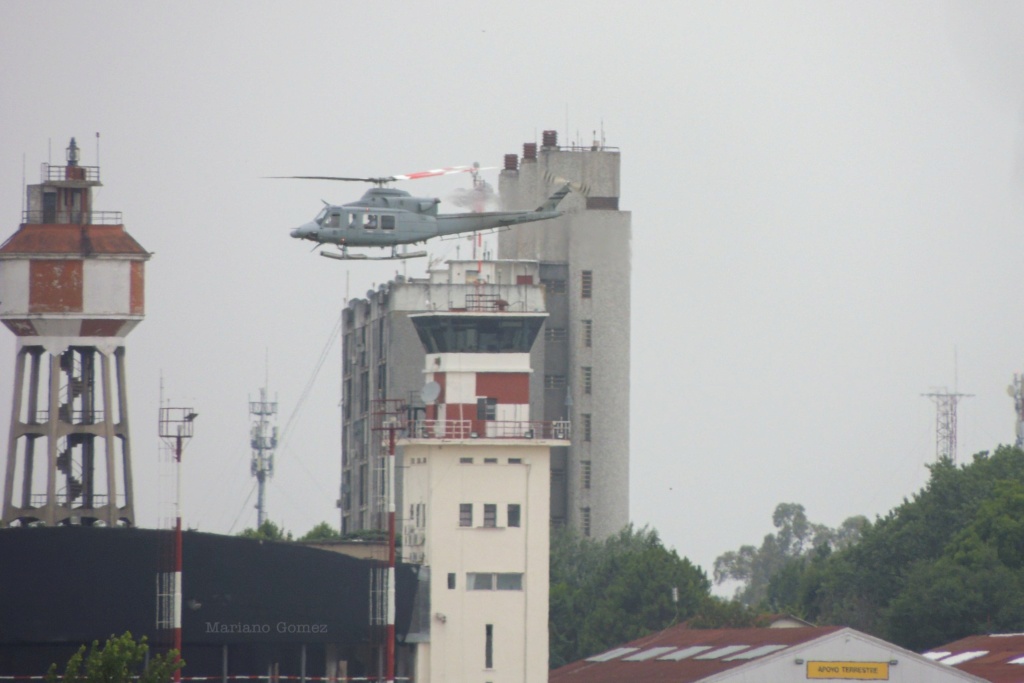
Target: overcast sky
(826, 202)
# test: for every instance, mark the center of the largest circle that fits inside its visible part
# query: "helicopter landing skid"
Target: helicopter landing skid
(363, 257)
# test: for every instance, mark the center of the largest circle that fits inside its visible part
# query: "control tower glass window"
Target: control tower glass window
(478, 334)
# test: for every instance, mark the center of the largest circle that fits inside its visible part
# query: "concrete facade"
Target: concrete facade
(439, 478)
(585, 264)
(477, 497)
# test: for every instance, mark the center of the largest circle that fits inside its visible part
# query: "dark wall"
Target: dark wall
(64, 586)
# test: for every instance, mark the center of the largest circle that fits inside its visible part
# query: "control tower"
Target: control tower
(476, 504)
(71, 289)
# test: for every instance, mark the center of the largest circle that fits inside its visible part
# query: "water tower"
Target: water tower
(71, 289)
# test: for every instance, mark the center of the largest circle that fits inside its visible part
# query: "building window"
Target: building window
(476, 581)
(479, 582)
(587, 379)
(509, 582)
(555, 334)
(489, 646)
(513, 514)
(554, 286)
(585, 473)
(554, 381)
(490, 461)
(588, 333)
(465, 514)
(586, 426)
(465, 461)
(587, 284)
(364, 391)
(486, 408)
(490, 515)
(451, 581)
(585, 521)
(364, 482)
(515, 461)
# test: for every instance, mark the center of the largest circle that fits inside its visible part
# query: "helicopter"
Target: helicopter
(388, 217)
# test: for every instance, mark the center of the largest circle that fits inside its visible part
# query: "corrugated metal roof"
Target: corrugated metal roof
(82, 240)
(684, 655)
(998, 663)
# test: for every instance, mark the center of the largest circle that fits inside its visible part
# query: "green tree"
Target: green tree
(946, 563)
(119, 660)
(268, 531)
(796, 537)
(605, 592)
(321, 532)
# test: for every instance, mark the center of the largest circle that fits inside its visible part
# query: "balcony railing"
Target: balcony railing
(46, 217)
(59, 173)
(488, 429)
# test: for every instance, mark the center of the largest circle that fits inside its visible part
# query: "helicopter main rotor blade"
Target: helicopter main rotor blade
(433, 172)
(329, 177)
(392, 178)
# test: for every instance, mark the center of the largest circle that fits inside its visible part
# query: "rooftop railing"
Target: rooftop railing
(488, 429)
(46, 217)
(59, 173)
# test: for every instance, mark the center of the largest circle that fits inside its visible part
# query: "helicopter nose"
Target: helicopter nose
(302, 232)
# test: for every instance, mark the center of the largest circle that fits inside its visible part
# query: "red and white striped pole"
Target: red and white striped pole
(390, 642)
(177, 552)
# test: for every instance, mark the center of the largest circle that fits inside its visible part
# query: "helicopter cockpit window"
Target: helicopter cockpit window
(387, 222)
(333, 221)
(371, 222)
(319, 220)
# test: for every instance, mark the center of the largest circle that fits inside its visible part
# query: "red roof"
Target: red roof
(987, 656)
(82, 240)
(683, 655)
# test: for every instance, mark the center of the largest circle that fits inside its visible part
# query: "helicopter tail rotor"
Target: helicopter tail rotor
(581, 188)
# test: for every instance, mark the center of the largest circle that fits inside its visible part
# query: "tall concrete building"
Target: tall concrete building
(584, 264)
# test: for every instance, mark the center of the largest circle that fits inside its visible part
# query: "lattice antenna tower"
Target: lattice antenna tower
(263, 439)
(946, 403)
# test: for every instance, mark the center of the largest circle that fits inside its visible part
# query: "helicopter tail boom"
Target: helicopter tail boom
(552, 202)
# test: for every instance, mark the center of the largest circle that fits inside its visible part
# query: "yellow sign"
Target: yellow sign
(861, 671)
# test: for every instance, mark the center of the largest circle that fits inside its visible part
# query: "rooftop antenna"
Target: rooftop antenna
(263, 439)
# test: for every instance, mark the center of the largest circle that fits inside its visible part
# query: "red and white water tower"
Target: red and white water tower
(71, 289)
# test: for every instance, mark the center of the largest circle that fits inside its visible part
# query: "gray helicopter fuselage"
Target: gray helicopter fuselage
(387, 217)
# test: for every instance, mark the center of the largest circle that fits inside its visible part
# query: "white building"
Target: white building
(476, 504)
(759, 655)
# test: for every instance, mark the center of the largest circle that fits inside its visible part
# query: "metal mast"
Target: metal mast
(176, 429)
(264, 441)
(945, 422)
